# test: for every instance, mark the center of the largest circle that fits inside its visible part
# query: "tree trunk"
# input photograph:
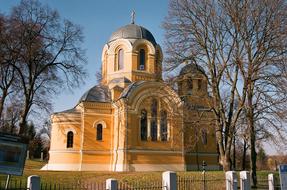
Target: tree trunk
(244, 155)
(252, 133)
(23, 120)
(234, 154)
(225, 162)
(253, 156)
(2, 101)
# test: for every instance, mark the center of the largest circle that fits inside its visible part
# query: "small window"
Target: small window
(154, 129)
(199, 84)
(163, 125)
(189, 84)
(70, 139)
(142, 60)
(204, 136)
(99, 132)
(154, 107)
(143, 125)
(120, 59)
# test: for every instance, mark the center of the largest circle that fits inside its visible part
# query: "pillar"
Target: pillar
(271, 182)
(169, 180)
(231, 180)
(245, 180)
(111, 184)
(33, 182)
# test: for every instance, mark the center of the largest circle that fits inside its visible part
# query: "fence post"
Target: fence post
(33, 182)
(169, 180)
(245, 180)
(271, 183)
(42, 156)
(231, 180)
(111, 184)
(28, 155)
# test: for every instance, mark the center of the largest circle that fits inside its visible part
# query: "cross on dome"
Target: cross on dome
(133, 14)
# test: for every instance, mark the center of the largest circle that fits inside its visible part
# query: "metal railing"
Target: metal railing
(191, 183)
(14, 184)
(140, 185)
(75, 186)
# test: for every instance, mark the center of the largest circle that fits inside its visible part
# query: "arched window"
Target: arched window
(70, 139)
(154, 120)
(142, 60)
(163, 125)
(190, 86)
(99, 132)
(143, 125)
(199, 84)
(204, 136)
(120, 59)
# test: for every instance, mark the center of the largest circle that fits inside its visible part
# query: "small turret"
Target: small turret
(192, 81)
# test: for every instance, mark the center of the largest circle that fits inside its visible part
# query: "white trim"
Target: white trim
(65, 151)
(62, 167)
(144, 42)
(99, 121)
(155, 167)
(70, 129)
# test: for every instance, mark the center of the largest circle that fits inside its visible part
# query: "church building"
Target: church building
(133, 120)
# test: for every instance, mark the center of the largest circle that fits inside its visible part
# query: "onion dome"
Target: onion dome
(132, 31)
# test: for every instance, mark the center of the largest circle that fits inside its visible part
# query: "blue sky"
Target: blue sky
(99, 18)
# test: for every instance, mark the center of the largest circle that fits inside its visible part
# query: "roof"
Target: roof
(191, 68)
(73, 110)
(98, 93)
(120, 80)
(133, 31)
(130, 88)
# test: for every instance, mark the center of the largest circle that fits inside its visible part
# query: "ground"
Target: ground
(32, 167)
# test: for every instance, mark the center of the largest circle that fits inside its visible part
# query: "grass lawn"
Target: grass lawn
(32, 167)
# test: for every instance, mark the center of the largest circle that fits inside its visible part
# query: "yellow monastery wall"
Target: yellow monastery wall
(197, 120)
(90, 132)
(155, 157)
(98, 114)
(61, 125)
(96, 157)
(66, 157)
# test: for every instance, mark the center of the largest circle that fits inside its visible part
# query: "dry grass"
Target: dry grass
(32, 167)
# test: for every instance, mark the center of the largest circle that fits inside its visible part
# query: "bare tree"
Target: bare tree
(262, 34)
(50, 55)
(7, 58)
(198, 31)
(242, 46)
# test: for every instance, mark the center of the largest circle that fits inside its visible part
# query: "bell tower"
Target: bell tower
(192, 82)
